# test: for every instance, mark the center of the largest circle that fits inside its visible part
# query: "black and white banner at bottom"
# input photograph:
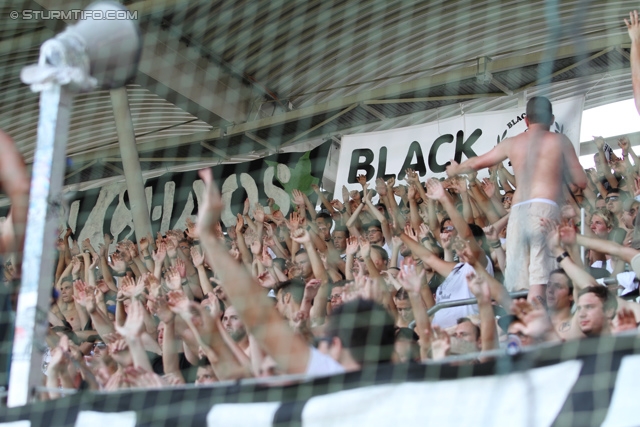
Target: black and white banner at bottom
(581, 383)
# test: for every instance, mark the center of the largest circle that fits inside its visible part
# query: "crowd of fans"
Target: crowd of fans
(330, 290)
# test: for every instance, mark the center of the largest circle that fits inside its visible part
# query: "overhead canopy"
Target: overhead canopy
(230, 81)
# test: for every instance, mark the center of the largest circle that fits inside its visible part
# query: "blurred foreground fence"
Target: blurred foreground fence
(581, 383)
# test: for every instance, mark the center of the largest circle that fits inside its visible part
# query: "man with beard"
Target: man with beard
(235, 328)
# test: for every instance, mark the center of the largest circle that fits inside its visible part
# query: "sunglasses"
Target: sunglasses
(448, 228)
(611, 199)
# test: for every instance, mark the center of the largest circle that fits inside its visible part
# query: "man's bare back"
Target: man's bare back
(538, 158)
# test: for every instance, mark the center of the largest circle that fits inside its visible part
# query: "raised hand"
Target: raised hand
(246, 207)
(266, 280)
(266, 259)
(80, 293)
(396, 241)
(479, 287)
(423, 231)
(294, 221)
(144, 243)
(77, 265)
(489, 187)
(75, 249)
(196, 257)
(459, 184)
(345, 194)
(239, 225)
(534, 317)
(258, 213)
(128, 287)
(452, 169)
(633, 27)
(436, 190)
(491, 233)
(173, 279)
(178, 302)
(408, 277)
(297, 197)
(381, 187)
(134, 325)
(311, 289)
(301, 236)
(412, 177)
(192, 230)
(86, 245)
(352, 245)
(256, 247)
(362, 180)
(161, 252)
(625, 321)
(181, 267)
(568, 234)
(337, 205)
(446, 240)
(440, 343)
(365, 247)
(599, 142)
(409, 231)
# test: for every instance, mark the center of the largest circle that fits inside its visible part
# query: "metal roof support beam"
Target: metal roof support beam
(623, 53)
(77, 171)
(259, 140)
(548, 78)
(319, 125)
(209, 93)
(113, 168)
(130, 162)
(215, 150)
(372, 111)
(433, 98)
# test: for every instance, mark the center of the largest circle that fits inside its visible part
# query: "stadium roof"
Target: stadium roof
(230, 81)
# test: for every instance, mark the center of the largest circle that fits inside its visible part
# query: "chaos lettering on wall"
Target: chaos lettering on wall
(171, 198)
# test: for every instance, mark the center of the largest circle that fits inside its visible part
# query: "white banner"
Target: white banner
(427, 148)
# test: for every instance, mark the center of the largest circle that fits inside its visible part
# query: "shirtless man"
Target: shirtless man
(67, 306)
(542, 162)
(559, 302)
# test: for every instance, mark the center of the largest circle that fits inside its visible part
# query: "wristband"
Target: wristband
(147, 257)
(496, 244)
(424, 239)
(562, 256)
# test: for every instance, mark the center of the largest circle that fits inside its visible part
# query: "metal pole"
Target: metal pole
(131, 162)
(111, 48)
(39, 255)
(582, 225)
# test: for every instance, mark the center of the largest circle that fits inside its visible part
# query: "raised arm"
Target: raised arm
(437, 192)
(494, 156)
(633, 27)
(256, 310)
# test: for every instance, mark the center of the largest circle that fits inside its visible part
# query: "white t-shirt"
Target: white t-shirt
(600, 264)
(455, 288)
(321, 365)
